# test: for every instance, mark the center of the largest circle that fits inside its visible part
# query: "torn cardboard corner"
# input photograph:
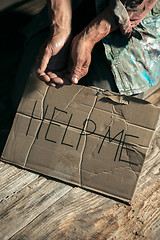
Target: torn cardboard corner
(86, 136)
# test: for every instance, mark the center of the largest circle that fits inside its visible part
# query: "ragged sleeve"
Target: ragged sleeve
(130, 13)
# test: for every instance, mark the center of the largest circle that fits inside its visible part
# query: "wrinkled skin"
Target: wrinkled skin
(54, 65)
(80, 58)
(52, 60)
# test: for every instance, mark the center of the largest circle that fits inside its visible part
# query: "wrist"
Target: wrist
(100, 27)
(60, 16)
(97, 31)
(86, 39)
(60, 30)
(59, 39)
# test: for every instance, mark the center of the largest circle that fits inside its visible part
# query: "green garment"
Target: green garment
(134, 61)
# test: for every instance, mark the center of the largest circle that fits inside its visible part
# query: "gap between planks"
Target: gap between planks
(28, 203)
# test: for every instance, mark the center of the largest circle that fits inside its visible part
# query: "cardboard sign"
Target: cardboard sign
(87, 136)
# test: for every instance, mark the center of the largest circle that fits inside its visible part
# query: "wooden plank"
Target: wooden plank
(13, 179)
(4, 166)
(28, 203)
(75, 216)
(158, 104)
(33, 207)
(154, 97)
(82, 214)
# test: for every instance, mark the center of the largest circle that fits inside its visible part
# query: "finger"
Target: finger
(43, 57)
(54, 78)
(56, 74)
(42, 62)
(57, 80)
(51, 84)
(43, 77)
(80, 70)
(66, 82)
(76, 72)
(51, 75)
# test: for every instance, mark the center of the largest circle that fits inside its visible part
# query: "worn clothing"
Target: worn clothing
(135, 62)
(133, 52)
(130, 13)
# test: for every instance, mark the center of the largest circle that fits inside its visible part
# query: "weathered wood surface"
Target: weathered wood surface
(34, 207)
(155, 97)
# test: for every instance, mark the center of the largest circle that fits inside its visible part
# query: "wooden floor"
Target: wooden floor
(35, 207)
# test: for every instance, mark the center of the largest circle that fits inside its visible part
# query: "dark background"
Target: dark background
(14, 16)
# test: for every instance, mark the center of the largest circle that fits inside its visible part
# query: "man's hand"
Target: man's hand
(52, 59)
(84, 42)
(53, 55)
(80, 58)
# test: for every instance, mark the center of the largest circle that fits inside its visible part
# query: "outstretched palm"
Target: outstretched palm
(52, 59)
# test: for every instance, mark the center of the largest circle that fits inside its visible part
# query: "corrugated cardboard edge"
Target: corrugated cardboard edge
(149, 153)
(116, 98)
(70, 182)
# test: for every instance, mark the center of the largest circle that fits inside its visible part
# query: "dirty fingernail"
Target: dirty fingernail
(75, 80)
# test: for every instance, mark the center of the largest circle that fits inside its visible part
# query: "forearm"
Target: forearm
(60, 15)
(99, 27)
(117, 15)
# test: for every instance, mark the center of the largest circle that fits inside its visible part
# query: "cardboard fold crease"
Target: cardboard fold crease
(89, 137)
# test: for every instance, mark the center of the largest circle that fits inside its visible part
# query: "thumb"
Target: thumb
(76, 72)
(42, 61)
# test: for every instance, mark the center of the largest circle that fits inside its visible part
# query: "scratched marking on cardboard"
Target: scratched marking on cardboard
(122, 144)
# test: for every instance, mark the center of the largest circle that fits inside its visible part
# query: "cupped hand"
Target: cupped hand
(52, 59)
(80, 58)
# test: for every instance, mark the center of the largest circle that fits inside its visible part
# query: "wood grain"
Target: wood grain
(34, 207)
(41, 208)
(13, 179)
(84, 215)
(29, 202)
(154, 98)
(81, 214)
